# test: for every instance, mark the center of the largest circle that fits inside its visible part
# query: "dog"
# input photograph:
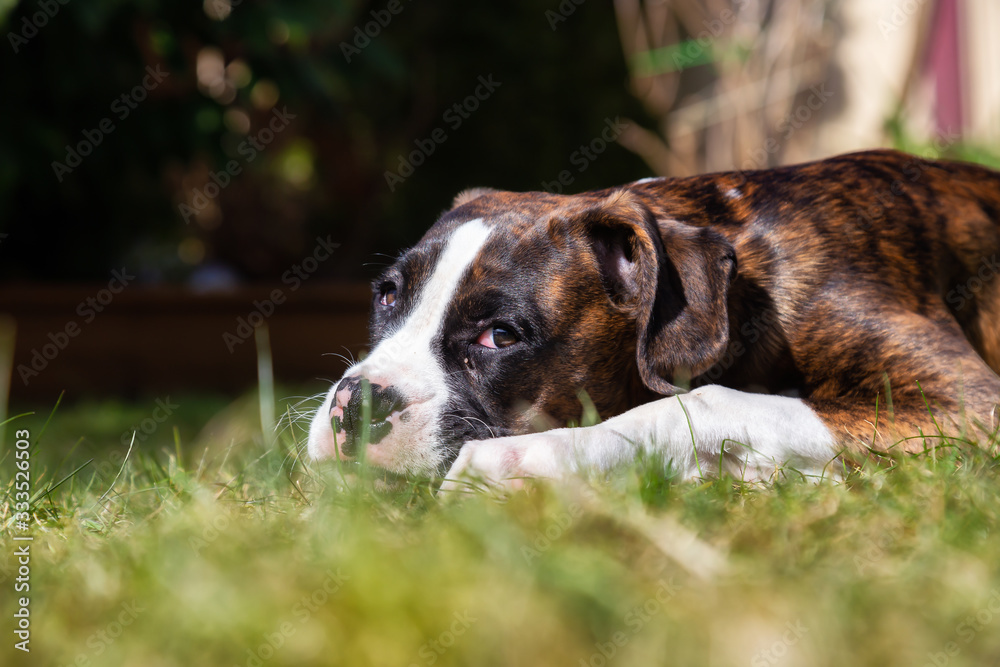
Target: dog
(750, 323)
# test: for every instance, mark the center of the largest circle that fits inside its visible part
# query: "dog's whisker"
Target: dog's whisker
(348, 358)
(469, 421)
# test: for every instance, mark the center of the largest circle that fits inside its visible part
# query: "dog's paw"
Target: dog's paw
(504, 462)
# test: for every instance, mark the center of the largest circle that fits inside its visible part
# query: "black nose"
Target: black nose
(382, 402)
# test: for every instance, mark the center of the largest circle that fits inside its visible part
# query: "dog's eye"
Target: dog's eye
(496, 337)
(387, 297)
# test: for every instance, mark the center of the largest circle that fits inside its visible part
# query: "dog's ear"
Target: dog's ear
(465, 196)
(673, 278)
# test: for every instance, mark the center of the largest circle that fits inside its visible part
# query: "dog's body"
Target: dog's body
(817, 309)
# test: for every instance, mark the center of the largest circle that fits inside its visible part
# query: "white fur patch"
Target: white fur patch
(406, 362)
(709, 430)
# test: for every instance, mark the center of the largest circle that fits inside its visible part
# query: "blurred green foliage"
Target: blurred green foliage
(64, 66)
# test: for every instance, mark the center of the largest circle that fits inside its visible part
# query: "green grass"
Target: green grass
(212, 548)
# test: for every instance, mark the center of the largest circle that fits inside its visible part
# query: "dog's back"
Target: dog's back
(857, 230)
(859, 275)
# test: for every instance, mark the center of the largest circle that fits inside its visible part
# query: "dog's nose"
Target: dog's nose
(349, 410)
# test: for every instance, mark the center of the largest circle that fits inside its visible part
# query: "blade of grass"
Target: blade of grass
(694, 445)
(177, 448)
(55, 407)
(265, 382)
(18, 416)
(366, 422)
(875, 430)
(120, 470)
(43, 493)
(8, 335)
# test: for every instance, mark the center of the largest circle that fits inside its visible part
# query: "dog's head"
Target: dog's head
(512, 305)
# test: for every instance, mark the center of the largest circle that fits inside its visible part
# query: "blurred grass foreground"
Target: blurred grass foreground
(226, 548)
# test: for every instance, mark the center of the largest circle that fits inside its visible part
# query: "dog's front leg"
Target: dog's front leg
(710, 429)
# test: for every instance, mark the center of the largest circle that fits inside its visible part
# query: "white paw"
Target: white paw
(503, 462)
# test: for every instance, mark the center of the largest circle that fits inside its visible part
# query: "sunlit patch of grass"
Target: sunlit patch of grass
(226, 547)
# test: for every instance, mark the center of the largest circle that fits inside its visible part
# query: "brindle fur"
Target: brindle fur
(834, 280)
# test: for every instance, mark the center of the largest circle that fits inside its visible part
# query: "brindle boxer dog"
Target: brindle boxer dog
(816, 311)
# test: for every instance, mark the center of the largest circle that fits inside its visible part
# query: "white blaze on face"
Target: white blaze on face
(406, 362)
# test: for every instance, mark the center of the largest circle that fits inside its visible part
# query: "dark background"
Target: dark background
(324, 174)
(705, 84)
(200, 279)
